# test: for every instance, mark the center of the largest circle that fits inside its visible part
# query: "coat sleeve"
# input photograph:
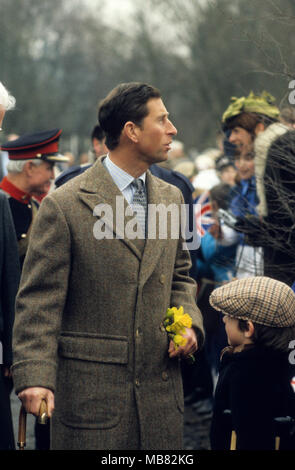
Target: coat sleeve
(184, 289)
(41, 298)
(10, 279)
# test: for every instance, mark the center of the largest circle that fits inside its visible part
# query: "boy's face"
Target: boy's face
(235, 336)
(245, 166)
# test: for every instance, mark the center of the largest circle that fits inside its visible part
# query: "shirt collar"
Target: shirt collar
(14, 191)
(120, 177)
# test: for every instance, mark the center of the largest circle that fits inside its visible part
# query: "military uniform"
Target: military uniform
(23, 208)
(41, 145)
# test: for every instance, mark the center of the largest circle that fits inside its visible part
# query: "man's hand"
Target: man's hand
(189, 348)
(215, 230)
(31, 399)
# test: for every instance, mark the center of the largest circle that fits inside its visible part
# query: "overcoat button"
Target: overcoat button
(137, 383)
(23, 235)
(138, 332)
(165, 376)
(162, 278)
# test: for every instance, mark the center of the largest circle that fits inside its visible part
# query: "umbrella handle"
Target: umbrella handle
(43, 415)
(22, 422)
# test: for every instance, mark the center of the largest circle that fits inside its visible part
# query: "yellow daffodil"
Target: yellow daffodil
(179, 340)
(175, 323)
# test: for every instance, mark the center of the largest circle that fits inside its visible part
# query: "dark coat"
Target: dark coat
(275, 182)
(98, 305)
(254, 385)
(9, 280)
(9, 277)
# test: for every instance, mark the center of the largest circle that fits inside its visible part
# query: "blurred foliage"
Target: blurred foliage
(59, 59)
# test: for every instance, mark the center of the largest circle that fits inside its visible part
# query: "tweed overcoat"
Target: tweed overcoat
(89, 318)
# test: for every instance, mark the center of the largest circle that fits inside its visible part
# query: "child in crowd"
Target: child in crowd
(215, 266)
(254, 383)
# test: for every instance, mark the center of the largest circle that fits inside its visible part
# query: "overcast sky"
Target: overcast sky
(115, 11)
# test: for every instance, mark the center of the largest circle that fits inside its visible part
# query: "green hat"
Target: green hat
(262, 104)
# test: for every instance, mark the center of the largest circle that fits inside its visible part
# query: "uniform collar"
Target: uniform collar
(15, 192)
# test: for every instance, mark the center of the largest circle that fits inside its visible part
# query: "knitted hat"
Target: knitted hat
(262, 104)
(260, 299)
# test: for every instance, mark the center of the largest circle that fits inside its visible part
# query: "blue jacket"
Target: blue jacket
(218, 261)
(244, 200)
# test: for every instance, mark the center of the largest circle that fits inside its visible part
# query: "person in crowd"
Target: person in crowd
(242, 202)
(105, 364)
(4, 157)
(98, 142)
(9, 281)
(226, 170)
(30, 171)
(254, 395)
(192, 373)
(206, 176)
(269, 144)
(215, 266)
(287, 116)
(98, 149)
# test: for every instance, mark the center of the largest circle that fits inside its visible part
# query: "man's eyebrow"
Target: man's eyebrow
(164, 114)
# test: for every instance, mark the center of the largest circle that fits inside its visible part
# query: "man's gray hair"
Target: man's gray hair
(6, 99)
(17, 166)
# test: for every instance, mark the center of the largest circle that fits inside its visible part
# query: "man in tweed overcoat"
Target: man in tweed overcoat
(88, 333)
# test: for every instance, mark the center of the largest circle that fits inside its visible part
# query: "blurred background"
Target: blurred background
(59, 59)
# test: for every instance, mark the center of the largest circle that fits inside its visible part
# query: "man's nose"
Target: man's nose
(231, 138)
(172, 129)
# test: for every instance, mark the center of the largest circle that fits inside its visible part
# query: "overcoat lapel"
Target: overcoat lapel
(98, 188)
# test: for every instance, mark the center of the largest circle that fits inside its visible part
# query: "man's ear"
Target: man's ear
(28, 168)
(131, 131)
(260, 127)
(249, 333)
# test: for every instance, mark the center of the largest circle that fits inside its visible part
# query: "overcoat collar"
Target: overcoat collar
(97, 187)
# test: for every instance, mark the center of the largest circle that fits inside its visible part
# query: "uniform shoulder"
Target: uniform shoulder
(69, 174)
(165, 186)
(173, 177)
(70, 187)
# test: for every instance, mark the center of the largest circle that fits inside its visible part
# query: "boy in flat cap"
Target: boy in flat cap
(30, 171)
(254, 384)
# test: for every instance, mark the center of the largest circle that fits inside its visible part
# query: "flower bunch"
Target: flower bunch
(175, 323)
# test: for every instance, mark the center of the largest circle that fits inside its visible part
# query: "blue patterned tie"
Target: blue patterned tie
(139, 203)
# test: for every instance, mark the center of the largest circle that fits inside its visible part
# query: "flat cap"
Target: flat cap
(40, 145)
(260, 299)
